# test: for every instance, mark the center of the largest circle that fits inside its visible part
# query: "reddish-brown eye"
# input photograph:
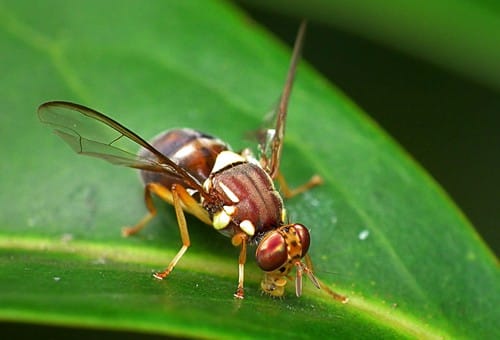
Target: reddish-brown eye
(305, 239)
(271, 252)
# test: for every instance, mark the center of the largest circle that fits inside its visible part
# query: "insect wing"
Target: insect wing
(272, 140)
(91, 133)
(264, 136)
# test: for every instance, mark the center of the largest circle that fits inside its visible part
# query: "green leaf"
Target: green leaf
(383, 232)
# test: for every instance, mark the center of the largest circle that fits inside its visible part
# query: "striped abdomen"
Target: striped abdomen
(192, 150)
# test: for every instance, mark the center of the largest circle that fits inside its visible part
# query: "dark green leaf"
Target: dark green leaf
(383, 233)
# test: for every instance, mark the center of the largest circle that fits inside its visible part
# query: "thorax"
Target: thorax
(243, 197)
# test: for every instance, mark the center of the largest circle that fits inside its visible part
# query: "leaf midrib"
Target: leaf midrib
(123, 254)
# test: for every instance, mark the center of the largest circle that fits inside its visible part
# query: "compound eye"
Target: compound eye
(271, 252)
(305, 239)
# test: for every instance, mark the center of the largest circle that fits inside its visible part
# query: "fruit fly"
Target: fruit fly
(200, 174)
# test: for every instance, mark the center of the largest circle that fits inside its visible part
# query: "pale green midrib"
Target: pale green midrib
(121, 254)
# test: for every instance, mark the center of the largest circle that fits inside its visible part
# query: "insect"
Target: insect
(200, 174)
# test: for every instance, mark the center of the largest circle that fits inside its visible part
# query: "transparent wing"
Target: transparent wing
(91, 133)
(271, 139)
(264, 135)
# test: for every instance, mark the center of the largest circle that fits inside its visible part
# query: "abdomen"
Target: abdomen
(192, 150)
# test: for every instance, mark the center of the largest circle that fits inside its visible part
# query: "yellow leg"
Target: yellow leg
(148, 199)
(181, 200)
(179, 194)
(289, 193)
(237, 240)
(188, 203)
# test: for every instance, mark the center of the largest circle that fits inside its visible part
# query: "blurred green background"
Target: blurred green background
(447, 118)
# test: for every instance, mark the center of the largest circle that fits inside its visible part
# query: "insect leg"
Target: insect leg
(179, 194)
(289, 193)
(159, 190)
(188, 203)
(240, 239)
(339, 297)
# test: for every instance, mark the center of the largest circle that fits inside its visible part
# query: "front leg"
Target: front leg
(237, 240)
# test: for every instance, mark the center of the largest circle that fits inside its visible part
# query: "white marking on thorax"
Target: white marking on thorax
(229, 209)
(248, 227)
(207, 185)
(221, 220)
(249, 157)
(229, 193)
(226, 158)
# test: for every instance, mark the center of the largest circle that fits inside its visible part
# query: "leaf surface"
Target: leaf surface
(383, 232)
